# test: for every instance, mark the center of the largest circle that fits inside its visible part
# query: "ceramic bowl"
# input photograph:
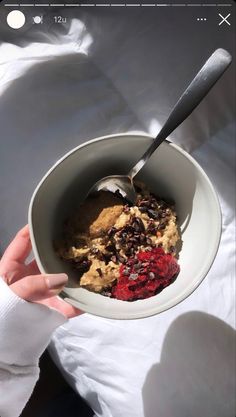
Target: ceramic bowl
(171, 173)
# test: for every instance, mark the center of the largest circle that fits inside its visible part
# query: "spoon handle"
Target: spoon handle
(211, 71)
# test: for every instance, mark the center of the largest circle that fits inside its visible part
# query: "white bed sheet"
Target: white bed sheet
(114, 72)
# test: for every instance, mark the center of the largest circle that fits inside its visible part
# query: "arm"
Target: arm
(25, 330)
(25, 326)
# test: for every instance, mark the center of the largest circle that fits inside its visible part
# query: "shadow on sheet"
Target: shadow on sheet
(196, 374)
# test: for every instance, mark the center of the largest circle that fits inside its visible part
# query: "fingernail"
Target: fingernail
(55, 281)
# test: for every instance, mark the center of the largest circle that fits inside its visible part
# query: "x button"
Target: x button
(224, 19)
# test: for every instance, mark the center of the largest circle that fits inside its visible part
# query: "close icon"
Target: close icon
(224, 19)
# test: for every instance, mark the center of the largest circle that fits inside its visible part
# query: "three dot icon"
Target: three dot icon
(202, 19)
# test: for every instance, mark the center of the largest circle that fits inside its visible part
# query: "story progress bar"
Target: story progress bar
(117, 5)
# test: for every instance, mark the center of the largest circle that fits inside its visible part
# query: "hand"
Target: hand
(25, 279)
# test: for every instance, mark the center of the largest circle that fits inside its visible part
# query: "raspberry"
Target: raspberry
(156, 271)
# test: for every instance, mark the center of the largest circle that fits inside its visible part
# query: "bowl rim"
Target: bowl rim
(169, 304)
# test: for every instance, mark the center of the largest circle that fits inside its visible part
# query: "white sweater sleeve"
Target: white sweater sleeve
(25, 331)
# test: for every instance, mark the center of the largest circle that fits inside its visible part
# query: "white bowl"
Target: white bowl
(171, 172)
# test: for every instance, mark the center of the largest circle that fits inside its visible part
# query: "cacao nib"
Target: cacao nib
(83, 265)
(121, 259)
(95, 251)
(106, 258)
(142, 238)
(161, 226)
(141, 225)
(163, 214)
(112, 231)
(114, 259)
(99, 271)
(126, 209)
(153, 214)
(133, 276)
(111, 248)
(143, 209)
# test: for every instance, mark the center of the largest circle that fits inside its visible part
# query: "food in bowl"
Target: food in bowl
(171, 173)
(121, 251)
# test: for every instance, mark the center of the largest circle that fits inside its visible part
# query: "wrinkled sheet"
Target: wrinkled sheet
(117, 71)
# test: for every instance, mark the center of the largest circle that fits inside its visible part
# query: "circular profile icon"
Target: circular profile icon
(16, 19)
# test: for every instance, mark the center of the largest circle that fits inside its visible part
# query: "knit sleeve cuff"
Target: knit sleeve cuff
(25, 328)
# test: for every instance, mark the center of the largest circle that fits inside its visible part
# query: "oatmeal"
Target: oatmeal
(122, 251)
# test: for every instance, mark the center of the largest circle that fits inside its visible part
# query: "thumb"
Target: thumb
(39, 287)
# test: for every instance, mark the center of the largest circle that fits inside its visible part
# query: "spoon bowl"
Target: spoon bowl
(117, 184)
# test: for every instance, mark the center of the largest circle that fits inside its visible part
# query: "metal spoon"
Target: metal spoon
(211, 71)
